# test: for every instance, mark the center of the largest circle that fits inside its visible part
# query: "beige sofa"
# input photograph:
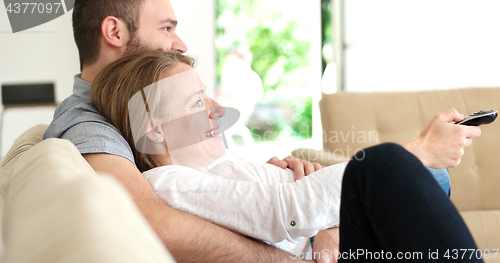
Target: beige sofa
(57, 209)
(354, 121)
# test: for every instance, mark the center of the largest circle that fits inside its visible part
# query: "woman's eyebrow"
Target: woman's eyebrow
(194, 95)
(198, 92)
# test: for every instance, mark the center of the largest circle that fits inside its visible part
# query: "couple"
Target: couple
(106, 30)
(390, 204)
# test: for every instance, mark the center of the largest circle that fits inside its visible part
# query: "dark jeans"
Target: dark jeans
(392, 207)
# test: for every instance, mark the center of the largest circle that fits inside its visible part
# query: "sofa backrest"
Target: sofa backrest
(57, 209)
(352, 121)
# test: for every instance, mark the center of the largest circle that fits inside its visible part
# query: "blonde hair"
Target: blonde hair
(118, 82)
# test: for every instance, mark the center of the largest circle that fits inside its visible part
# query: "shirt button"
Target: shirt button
(292, 223)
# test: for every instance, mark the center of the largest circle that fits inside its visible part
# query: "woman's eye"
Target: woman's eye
(199, 103)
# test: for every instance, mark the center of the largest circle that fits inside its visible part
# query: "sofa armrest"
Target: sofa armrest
(323, 157)
(57, 209)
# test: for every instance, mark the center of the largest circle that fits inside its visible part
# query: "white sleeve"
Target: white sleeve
(254, 172)
(267, 212)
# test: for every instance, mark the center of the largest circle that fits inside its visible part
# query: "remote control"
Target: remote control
(479, 118)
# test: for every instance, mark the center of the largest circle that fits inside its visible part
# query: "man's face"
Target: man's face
(157, 25)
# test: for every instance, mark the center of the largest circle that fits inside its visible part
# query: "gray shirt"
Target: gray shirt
(76, 120)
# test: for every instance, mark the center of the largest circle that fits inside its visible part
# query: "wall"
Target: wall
(47, 53)
(44, 53)
(421, 44)
(197, 29)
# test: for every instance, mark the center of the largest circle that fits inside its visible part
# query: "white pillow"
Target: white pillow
(58, 210)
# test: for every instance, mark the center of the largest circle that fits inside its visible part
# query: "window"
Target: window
(280, 41)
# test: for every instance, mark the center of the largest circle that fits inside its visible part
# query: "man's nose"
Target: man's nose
(216, 111)
(178, 44)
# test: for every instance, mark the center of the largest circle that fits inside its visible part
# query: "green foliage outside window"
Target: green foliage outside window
(280, 48)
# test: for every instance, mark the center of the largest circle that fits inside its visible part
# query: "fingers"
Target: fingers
(278, 162)
(468, 142)
(317, 166)
(462, 138)
(450, 115)
(300, 167)
(297, 166)
(441, 143)
(472, 131)
(308, 167)
(464, 134)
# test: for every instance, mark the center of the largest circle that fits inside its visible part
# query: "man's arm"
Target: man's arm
(326, 245)
(441, 144)
(187, 237)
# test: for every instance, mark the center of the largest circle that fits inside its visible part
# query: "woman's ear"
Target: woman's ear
(154, 132)
(114, 31)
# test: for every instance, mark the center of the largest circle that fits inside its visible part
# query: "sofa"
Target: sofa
(57, 209)
(352, 121)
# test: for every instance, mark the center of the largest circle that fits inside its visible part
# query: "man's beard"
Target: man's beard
(134, 45)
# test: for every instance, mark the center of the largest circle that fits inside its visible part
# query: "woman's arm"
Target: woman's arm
(263, 211)
(187, 237)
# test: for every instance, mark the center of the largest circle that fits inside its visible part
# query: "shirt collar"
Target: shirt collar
(81, 88)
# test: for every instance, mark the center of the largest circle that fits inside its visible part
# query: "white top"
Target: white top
(258, 200)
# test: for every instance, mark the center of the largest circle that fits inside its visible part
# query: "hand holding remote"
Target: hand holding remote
(441, 145)
(479, 118)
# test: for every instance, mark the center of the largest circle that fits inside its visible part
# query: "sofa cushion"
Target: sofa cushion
(23, 143)
(353, 121)
(57, 209)
(484, 227)
(323, 157)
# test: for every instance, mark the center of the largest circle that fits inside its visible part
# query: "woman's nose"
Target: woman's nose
(216, 110)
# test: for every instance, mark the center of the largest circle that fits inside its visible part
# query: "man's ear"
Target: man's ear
(114, 32)
(154, 132)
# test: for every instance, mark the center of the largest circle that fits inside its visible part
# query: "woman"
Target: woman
(159, 103)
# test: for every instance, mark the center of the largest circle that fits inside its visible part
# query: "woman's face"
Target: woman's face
(189, 118)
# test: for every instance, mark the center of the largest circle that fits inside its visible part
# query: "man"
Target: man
(104, 31)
